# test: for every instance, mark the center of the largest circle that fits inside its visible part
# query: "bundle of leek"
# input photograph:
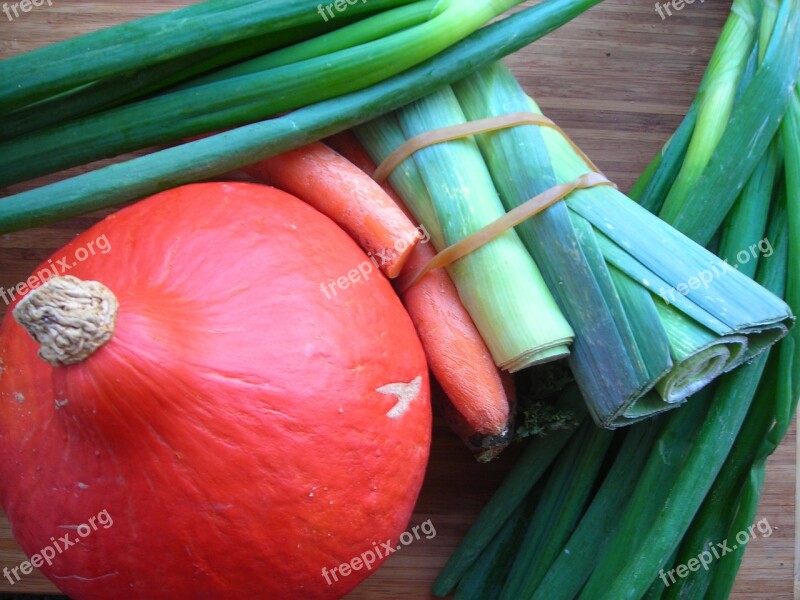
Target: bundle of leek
(657, 317)
(449, 190)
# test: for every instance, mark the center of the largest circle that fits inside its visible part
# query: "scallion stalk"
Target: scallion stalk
(752, 125)
(47, 71)
(565, 495)
(529, 468)
(719, 509)
(745, 226)
(570, 570)
(223, 152)
(783, 396)
(367, 30)
(116, 90)
(484, 580)
(231, 102)
(652, 186)
(715, 99)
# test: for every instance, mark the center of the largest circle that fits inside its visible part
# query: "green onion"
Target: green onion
(791, 139)
(223, 152)
(531, 465)
(367, 30)
(36, 75)
(558, 511)
(713, 521)
(657, 589)
(116, 90)
(231, 102)
(570, 570)
(484, 580)
(752, 126)
(745, 226)
(652, 186)
(715, 99)
(781, 395)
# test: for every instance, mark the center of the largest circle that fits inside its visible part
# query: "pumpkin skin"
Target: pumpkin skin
(232, 428)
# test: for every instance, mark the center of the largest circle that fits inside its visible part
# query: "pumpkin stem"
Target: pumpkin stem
(69, 318)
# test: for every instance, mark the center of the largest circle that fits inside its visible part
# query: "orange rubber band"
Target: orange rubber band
(462, 130)
(498, 227)
(512, 218)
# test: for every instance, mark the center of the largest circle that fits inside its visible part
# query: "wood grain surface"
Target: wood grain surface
(618, 79)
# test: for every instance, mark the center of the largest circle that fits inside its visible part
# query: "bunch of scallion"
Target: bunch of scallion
(107, 89)
(677, 485)
(656, 316)
(342, 61)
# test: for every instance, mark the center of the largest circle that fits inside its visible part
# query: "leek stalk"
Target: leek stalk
(511, 306)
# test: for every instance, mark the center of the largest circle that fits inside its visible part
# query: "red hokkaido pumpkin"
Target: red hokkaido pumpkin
(240, 428)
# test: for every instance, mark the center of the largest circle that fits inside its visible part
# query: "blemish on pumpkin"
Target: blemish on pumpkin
(406, 393)
(60, 403)
(19, 397)
(79, 578)
(82, 486)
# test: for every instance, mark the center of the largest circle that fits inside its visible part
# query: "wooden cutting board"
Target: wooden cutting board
(618, 79)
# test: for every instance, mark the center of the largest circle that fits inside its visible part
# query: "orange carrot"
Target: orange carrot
(334, 186)
(479, 410)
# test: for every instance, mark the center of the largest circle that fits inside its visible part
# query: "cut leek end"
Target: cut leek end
(538, 357)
